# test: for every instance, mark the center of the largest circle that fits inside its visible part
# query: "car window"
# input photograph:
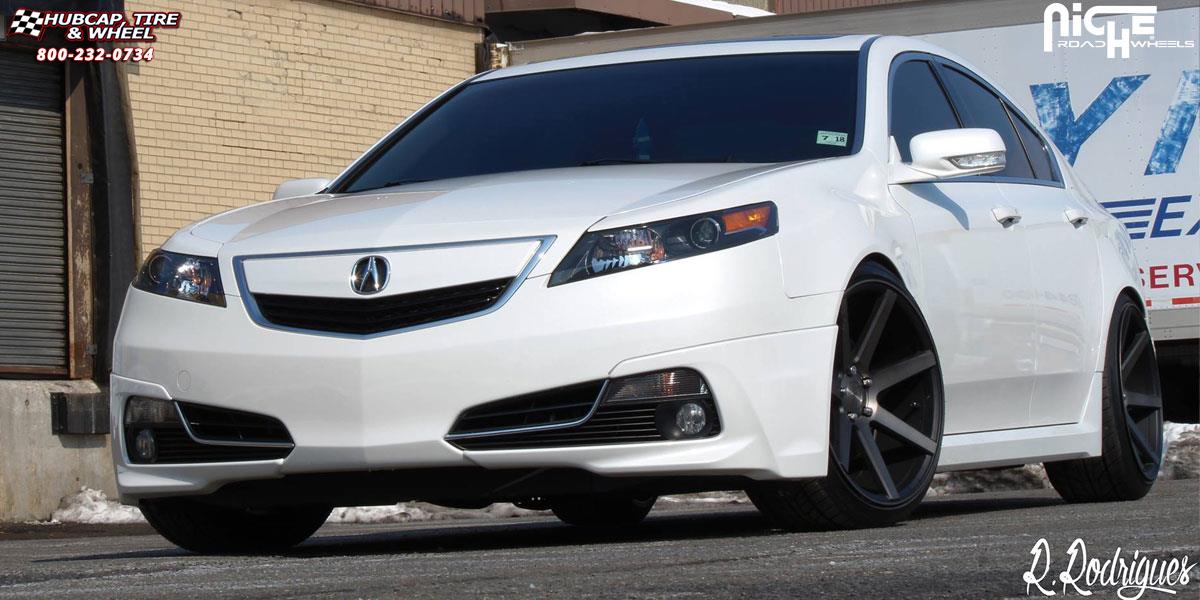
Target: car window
(918, 105)
(763, 108)
(1039, 155)
(979, 107)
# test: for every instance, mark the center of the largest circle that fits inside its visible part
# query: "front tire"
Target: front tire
(207, 529)
(1132, 419)
(596, 511)
(886, 416)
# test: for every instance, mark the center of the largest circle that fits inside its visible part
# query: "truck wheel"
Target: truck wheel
(207, 529)
(601, 510)
(1131, 432)
(885, 416)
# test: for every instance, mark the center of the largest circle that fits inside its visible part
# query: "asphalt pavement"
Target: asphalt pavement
(967, 546)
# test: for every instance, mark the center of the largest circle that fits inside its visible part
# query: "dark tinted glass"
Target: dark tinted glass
(751, 108)
(979, 107)
(918, 105)
(1039, 155)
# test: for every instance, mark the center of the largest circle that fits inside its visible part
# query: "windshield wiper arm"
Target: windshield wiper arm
(616, 161)
(646, 161)
(401, 182)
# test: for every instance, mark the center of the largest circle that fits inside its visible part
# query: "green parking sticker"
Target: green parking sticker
(831, 138)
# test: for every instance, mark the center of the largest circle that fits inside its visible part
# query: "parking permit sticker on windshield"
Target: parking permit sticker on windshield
(831, 138)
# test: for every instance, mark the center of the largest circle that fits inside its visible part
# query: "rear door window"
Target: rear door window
(1039, 155)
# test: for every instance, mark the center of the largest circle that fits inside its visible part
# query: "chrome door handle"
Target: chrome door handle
(1006, 215)
(1076, 217)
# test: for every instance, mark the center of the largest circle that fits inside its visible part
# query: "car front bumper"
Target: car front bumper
(387, 403)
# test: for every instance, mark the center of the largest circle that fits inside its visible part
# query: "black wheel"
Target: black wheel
(601, 510)
(885, 416)
(207, 529)
(1132, 419)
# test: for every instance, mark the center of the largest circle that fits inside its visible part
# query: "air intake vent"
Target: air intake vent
(365, 316)
(154, 434)
(640, 408)
(558, 407)
(224, 425)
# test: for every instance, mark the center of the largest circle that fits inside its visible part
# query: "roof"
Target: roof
(842, 43)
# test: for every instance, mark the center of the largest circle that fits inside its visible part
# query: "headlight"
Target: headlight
(615, 250)
(181, 276)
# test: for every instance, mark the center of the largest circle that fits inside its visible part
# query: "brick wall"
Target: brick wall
(246, 94)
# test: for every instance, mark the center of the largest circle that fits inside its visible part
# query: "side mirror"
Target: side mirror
(300, 187)
(950, 153)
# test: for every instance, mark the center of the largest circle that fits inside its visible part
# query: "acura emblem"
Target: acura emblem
(370, 275)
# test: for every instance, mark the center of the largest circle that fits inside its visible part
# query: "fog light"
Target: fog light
(145, 447)
(691, 419)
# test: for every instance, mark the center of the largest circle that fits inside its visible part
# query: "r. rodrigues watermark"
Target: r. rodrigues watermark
(1078, 28)
(1131, 574)
(84, 27)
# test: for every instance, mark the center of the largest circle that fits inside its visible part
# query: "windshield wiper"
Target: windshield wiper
(644, 161)
(401, 182)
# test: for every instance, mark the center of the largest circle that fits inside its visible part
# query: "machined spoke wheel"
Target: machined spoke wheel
(885, 423)
(886, 398)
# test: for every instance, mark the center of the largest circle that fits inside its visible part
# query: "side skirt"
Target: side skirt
(1009, 447)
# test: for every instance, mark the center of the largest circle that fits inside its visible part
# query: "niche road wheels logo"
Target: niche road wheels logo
(1078, 28)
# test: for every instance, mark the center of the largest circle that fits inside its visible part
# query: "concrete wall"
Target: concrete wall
(38, 468)
(246, 94)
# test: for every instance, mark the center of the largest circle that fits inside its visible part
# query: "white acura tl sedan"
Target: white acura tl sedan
(816, 269)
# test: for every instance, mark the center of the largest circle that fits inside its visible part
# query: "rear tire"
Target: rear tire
(596, 511)
(1131, 420)
(885, 419)
(207, 529)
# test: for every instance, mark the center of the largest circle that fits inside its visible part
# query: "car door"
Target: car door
(1064, 269)
(975, 281)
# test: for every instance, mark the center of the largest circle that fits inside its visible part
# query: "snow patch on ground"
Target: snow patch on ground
(1182, 461)
(405, 512)
(94, 508)
(707, 498)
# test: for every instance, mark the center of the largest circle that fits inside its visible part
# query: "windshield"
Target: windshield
(755, 108)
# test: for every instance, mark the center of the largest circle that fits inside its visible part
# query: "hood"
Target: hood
(553, 202)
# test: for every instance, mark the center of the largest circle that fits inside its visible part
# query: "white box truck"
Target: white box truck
(1120, 103)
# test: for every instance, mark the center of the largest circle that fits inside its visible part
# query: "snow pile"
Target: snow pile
(405, 512)
(707, 498)
(736, 10)
(1028, 477)
(94, 508)
(1182, 460)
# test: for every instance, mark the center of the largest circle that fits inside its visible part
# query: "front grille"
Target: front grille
(364, 316)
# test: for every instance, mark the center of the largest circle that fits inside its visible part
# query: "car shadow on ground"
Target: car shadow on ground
(465, 536)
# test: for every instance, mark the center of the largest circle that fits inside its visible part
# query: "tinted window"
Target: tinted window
(1039, 155)
(979, 107)
(751, 108)
(918, 105)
